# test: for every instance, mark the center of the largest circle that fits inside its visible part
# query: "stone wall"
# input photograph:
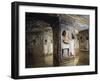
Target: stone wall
(69, 26)
(41, 39)
(84, 40)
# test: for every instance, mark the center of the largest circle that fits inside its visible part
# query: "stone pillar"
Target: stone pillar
(56, 44)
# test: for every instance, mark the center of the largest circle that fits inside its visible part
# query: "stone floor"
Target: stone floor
(47, 61)
(82, 58)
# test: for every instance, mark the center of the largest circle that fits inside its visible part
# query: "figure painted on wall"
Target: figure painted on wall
(65, 37)
(72, 45)
(65, 44)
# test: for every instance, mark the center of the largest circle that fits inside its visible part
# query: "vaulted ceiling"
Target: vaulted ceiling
(80, 22)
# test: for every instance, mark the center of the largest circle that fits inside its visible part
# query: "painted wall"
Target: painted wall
(39, 41)
(84, 40)
(68, 25)
(48, 42)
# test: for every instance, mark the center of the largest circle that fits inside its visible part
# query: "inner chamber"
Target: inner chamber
(39, 41)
